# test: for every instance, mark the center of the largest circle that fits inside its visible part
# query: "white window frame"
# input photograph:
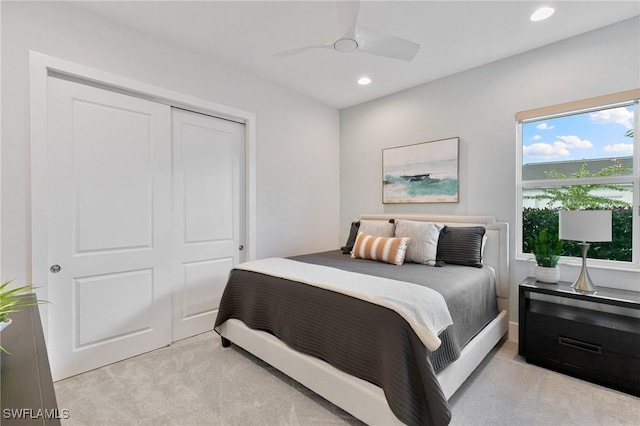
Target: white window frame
(574, 108)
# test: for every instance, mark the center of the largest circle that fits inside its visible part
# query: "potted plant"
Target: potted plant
(11, 300)
(546, 250)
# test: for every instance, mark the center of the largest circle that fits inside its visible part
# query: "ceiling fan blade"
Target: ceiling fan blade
(297, 50)
(380, 44)
(347, 17)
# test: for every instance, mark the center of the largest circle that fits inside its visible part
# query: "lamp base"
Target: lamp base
(583, 283)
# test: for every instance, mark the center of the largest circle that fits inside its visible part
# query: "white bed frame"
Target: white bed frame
(360, 398)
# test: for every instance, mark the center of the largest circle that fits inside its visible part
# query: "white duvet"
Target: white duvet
(423, 308)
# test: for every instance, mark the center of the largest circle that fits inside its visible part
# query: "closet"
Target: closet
(146, 217)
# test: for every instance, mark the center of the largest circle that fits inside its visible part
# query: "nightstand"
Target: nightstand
(28, 396)
(586, 341)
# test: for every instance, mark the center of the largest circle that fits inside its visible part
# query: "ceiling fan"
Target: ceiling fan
(349, 37)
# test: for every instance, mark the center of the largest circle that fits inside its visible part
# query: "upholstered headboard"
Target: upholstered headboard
(496, 251)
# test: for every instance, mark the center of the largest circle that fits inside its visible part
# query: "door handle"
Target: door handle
(241, 247)
(55, 269)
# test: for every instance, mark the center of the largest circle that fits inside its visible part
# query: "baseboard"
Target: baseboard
(513, 332)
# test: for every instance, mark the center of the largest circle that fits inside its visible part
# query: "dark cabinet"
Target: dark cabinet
(27, 394)
(587, 341)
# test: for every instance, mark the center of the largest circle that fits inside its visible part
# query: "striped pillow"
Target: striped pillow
(389, 250)
(461, 246)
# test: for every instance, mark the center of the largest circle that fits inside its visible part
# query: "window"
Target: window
(581, 155)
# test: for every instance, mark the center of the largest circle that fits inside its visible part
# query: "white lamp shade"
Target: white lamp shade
(585, 225)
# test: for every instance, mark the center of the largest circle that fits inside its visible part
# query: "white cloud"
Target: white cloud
(620, 115)
(536, 137)
(576, 142)
(620, 147)
(544, 126)
(559, 148)
(545, 150)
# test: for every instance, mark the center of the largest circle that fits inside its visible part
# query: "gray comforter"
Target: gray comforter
(363, 339)
(469, 292)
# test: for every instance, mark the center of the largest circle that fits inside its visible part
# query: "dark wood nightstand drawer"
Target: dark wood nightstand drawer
(584, 329)
(599, 346)
(583, 354)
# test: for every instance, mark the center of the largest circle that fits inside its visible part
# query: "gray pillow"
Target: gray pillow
(378, 228)
(423, 245)
(460, 246)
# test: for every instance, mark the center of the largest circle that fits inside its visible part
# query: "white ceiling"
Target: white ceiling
(454, 35)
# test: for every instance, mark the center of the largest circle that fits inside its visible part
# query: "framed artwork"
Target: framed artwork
(422, 173)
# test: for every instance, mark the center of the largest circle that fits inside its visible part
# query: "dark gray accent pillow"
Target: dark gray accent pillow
(460, 246)
(353, 233)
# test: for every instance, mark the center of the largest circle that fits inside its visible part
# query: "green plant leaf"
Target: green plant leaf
(11, 300)
(546, 248)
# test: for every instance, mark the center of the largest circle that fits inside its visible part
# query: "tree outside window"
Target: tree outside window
(574, 161)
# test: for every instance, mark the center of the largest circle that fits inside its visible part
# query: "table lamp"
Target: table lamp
(585, 225)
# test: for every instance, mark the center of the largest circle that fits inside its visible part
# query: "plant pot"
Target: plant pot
(5, 324)
(548, 275)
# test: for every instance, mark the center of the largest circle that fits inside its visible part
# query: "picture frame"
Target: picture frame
(425, 172)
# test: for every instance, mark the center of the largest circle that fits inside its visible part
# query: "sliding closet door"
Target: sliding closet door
(109, 226)
(208, 194)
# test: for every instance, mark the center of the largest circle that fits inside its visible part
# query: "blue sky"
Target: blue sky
(598, 134)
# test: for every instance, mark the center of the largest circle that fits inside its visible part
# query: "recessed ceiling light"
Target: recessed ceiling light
(542, 14)
(364, 80)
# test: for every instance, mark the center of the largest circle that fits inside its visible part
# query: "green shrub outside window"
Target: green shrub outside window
(580, 160)
(534, 220)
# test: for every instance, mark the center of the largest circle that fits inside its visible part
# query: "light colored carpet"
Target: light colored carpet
(197, 382)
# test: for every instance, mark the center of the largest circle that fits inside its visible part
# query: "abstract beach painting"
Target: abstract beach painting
(422, 173)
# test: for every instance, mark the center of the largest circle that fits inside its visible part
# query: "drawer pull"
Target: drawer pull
(589, 347)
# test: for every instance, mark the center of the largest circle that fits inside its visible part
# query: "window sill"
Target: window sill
(575, 262)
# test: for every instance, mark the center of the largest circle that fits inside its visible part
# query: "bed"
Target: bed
(357, 350)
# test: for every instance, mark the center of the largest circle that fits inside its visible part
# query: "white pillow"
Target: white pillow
(378, 228)
(423, 243)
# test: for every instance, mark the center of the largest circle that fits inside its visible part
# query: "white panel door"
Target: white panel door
(109, 226)
(208, 190)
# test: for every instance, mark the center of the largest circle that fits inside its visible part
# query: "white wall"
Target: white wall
(479, 106)
(297, 138)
